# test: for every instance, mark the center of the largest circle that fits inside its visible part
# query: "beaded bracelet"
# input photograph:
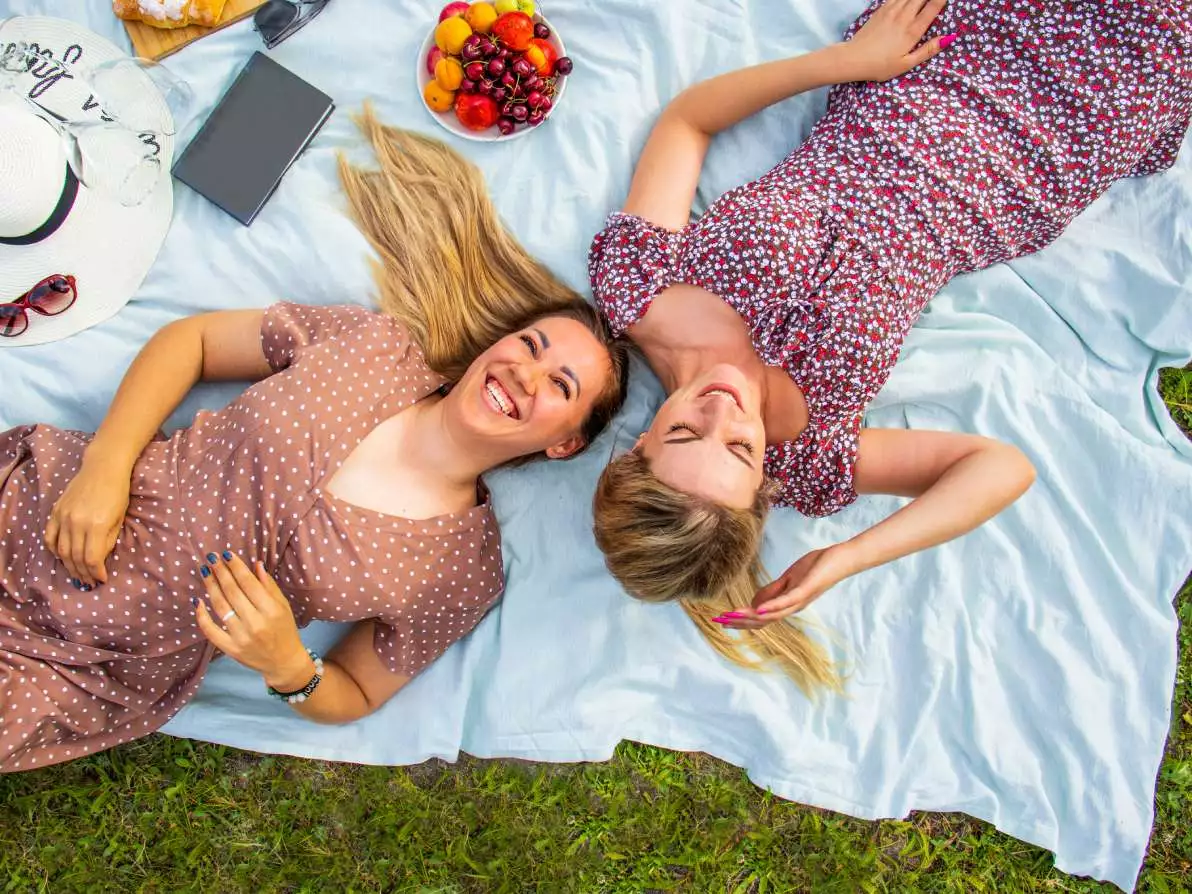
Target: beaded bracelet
(303, 694)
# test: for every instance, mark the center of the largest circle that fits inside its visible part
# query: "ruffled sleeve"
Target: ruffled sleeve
(815, 474)
(631, 260)
(287, 329)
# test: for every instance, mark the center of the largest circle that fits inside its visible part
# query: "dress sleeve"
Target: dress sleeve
(815, 474)
(288, 328)
(631, 260)
(462, 579)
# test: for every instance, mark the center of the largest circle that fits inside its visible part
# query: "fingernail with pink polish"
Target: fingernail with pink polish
(761, 611)
(732, 615)
(946, 41)
(720, 620)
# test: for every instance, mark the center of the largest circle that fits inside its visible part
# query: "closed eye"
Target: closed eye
(564, 387)
(530, 343)
(693, 435)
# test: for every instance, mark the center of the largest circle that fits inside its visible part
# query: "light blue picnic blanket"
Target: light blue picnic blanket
(1022, 674)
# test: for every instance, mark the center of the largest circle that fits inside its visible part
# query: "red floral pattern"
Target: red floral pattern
(983, 154)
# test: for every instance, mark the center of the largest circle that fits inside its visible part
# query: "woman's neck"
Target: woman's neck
(431, 446)
(687, 331)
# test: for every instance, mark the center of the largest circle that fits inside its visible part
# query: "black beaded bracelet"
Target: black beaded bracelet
(303, 694)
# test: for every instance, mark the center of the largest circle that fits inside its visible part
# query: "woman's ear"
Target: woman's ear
(637, 445)
(564, 449)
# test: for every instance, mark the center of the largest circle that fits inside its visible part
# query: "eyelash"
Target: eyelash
(682, 426)
(533, 346)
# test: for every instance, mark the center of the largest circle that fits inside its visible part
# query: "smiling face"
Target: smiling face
(531, 391)
(708, 438)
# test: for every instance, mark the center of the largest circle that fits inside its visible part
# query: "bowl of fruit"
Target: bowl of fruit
(492, 71)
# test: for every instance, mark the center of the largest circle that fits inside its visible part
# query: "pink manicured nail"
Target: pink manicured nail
(761, 611)
(947, 41)
(720, 620)
(732, 615)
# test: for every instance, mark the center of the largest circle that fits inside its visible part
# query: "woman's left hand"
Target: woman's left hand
(258, 628)
(885, 46)
(799, 586)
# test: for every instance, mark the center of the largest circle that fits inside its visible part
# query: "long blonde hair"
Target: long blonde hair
(448, 268)
(662, 544)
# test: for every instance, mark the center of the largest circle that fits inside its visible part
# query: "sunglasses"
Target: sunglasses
(278, 19)
(50, 297)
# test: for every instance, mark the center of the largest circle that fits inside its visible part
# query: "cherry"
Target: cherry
(499, 94)
(534, 99)
(506, 126)
(474, 71)
(508, 80)
(467, 85)
(533, 82)
(519, 113)
(535, 117)
(523, 67)
(496, 66)
(545, 105)
(484, 87)
(507, 109)
(564, 65)
(540, 31)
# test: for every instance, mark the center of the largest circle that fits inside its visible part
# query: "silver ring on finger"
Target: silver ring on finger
(228, 616)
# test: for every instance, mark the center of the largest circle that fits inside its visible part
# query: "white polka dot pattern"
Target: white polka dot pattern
(983, 154)
(80, 672)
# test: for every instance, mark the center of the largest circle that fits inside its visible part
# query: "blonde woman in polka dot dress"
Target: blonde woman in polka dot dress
(343, 485)
(958, 135)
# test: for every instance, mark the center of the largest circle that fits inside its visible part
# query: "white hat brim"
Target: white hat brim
(106, 246)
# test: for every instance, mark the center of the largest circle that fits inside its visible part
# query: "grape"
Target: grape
(474, 71)
(506, 126)
(523, 67)
(508, 80)
(541, 31)
(564, 65)
(535, 117)
(519, 113)
(534, 99)
(496, 66)
(500, 94)
(467, 85)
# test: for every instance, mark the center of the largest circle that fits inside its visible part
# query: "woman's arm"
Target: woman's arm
(259, 631)
(668, 171)
(86, 519)
(958, 482)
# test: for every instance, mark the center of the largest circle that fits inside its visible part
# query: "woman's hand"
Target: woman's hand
(800, 585)
(258, 628)
(885, 46)
(86, 521)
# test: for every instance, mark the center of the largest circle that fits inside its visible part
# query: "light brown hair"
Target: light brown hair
(662, 544)
(449, 269)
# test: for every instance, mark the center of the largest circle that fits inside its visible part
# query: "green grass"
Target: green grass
(166, 815)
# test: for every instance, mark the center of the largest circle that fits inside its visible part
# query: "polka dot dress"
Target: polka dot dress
(80, 672)
(983, 154)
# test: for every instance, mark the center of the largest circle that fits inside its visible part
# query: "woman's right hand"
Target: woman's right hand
(87, 518)
(885, 46)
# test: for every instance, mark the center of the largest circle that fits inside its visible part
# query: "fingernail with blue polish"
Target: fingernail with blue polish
(86, 588)
(194, 600)
(76, 583)
(212, 558)
(204, 571)
(227, 555)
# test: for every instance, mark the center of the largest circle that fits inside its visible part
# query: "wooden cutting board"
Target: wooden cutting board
(157, 43)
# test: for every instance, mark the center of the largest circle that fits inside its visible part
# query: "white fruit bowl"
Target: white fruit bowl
(448, 121)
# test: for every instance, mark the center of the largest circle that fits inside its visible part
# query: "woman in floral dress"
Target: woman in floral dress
(957, 136)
